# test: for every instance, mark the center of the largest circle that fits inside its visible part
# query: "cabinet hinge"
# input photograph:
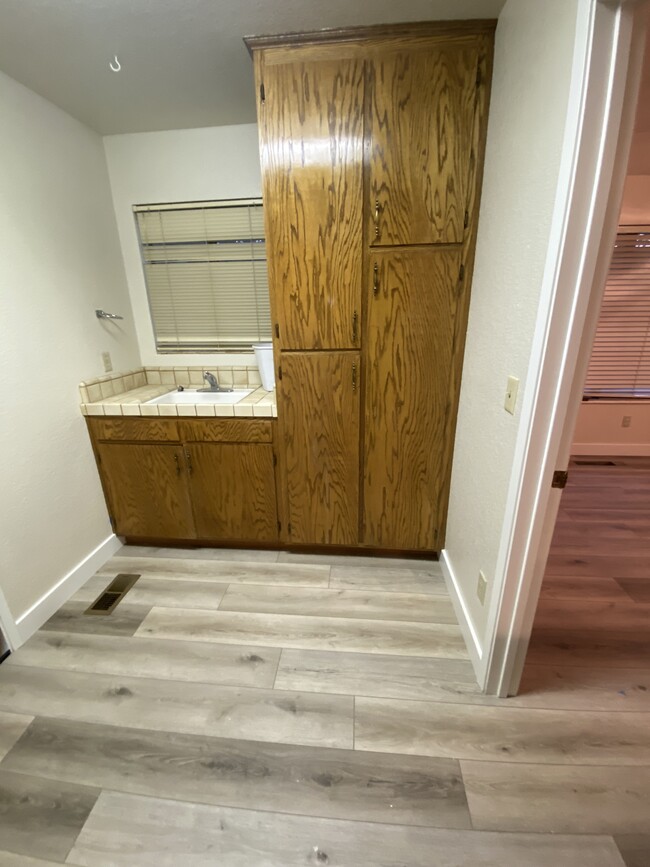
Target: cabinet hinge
(280, 372)
(461, 273)
(277, 330)
(466, 224)
(279, 527)
(560, 478)
(262, 94)
(275, 460)
(289, 529)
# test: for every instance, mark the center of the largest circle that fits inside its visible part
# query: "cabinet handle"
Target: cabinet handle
(376, 218)
(178, 466)
(355, 326)
(375, 280)
(188, 458)
(354, 376)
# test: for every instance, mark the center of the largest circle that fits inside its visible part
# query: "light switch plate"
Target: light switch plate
(106, 361)
(511, 394)
(627, 421)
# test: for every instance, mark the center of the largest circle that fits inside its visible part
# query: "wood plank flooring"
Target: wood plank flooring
(265, 709)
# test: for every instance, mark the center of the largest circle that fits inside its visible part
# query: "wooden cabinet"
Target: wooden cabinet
(319, 444)
(312, 155)
(372, 145)
(147, 490)
(209, 480)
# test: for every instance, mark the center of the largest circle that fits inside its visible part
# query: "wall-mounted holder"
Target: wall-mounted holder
(101, 314)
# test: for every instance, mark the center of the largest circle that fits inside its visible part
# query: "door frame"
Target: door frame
(608, 56)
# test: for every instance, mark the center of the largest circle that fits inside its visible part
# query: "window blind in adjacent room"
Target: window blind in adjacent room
(205, 270)
(620, 358)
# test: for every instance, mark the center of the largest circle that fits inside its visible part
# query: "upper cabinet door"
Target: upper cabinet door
(420, 121)
(311, 129)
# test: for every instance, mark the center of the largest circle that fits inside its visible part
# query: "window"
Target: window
(205, 270)
(620, 358)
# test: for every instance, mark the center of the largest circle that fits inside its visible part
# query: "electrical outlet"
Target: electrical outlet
(627, 421)
(106, 361)
(481, 587)
(511, 394)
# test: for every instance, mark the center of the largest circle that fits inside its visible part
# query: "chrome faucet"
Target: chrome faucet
(211, 379)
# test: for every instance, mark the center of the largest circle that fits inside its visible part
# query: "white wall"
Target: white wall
(532, 74)
(176, 166)
(59, 260)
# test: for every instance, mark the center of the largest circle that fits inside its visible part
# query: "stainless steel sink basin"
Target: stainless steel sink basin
(193, 396)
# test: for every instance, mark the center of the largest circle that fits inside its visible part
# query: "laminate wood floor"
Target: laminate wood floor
(256, 709)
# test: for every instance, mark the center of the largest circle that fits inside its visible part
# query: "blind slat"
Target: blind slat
(620, 357)
(206, 277)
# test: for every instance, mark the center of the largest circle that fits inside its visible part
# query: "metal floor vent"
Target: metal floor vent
(595, 463)
(116, 590)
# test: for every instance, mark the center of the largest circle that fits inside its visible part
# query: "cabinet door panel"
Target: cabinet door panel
(318, 419)
(147, 490)
(233, 491)
(420, 118)
(407, 396)
(312, 153)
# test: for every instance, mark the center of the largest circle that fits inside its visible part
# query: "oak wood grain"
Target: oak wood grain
(420, 119)
(407, 365)
(226, 430)
(238, 773)
(232, 488)
(318, 414)
(311, 131)
(147, 489)
(134, 429)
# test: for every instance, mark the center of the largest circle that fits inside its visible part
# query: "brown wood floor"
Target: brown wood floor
(254, 709)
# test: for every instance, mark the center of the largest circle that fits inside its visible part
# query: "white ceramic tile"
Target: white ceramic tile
(95, 409)
(196, 377)
(129, 382)
(84, 409)
(186, 410)
(205, 409)
(225, 376)
(112, 409)
(167, 377)
(148, 409)
(246, 410)
(153, 377)
(167, 409)
(131, 409)
(94, 393)
(263, 411)
(140, 378)
(275, 412)
(107, 389)
(224, 409)
(254, 379)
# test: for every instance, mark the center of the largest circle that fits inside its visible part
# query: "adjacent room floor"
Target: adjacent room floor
(254, 708)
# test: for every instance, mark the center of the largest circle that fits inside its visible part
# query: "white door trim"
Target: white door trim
(606, 70)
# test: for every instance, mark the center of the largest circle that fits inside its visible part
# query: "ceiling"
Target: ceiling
(183, 62)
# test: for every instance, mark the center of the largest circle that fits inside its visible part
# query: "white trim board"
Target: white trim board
(600, 116)
(621, 450)
(461, 610)
(32, 619)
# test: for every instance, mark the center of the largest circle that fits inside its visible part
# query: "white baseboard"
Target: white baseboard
(32, 619)
(462, 614)
(623, 450)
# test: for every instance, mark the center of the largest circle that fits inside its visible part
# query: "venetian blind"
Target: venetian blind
(205, 270)
(620, 358)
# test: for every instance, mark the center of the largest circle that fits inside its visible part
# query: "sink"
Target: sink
(192, 396)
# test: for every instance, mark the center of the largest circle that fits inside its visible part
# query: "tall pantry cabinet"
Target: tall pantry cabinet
(371, 147)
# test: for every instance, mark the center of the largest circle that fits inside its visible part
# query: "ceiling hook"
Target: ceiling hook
(115, 64)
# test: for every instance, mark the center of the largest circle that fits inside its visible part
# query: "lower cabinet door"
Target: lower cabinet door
(318, 418)
(146, 486)
(233, 491)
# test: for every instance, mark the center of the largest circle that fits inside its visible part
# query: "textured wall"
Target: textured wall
(532, 73)
(177, 166)
(59, 260)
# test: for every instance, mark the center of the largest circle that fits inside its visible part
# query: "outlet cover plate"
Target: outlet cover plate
(107, 362)
(481, 587)
(511, 394)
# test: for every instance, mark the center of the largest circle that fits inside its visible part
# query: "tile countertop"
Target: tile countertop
(128, 393)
